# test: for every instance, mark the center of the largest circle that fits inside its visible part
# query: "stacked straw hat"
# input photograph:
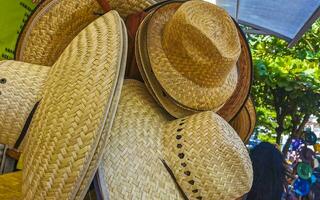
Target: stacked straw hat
(150, 156)
(245, 121)
(193, 57)
(79, 95)
(196, 65)
(56, 22)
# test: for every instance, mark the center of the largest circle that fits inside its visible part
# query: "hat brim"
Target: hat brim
(51, 28)
(62, 150)
(55, 23)
(245, 121)
(116, 90)
(232, 105)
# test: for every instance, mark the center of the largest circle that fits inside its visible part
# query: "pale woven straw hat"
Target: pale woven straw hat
(150, 156)
(245, 121)
(184, 82)
(20, 88)
(56, 22)
(78, 101)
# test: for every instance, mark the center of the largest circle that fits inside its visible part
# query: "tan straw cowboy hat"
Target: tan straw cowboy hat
(68, 131)
(56, 22)
(245, 121)
(187, 54)
(150, 156)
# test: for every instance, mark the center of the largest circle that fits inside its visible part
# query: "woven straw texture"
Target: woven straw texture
(52, 27)
(245, 72)
(217, 165)
(193, 52)
(56, 22)
(206, 156)
(10, 187)
(127, 7)
(68, 124)
(245, 121)
(146, 72)
(20, 89)
(113, 107)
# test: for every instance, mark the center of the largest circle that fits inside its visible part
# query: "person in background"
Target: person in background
(269, 171)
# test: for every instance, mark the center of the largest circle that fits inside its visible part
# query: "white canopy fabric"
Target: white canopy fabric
(286, 19)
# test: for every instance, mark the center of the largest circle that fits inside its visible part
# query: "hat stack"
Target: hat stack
(189, 72)
(179, 134)
(78, 97)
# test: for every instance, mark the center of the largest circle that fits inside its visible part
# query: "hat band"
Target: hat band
(105, 5)
(26, 126)
(174, 179)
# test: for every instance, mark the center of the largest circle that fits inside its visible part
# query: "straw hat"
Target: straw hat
(245, 121)
(20, 87)
(211, 81)
(150, 156)
(78, 103)
(56, 22)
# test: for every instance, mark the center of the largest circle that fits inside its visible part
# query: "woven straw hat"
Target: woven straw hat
(150, 156)
(189, 58)
(185, 90)
(56, 22)
(245, 121)
(20, 88)
(78, 102)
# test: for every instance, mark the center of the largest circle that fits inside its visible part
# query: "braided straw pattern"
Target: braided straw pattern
(132, 165)
(113, 107)
(10, 187)
(207, 157)
(127, 7)
(245, 121)
(52, 27)
(141, 137)
(193, 52)
(56, 22)
(20, 89)
(245, 73)
(152, 84)
(68, 124)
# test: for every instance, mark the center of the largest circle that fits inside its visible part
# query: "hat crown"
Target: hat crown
(202, 43)
(205, 155)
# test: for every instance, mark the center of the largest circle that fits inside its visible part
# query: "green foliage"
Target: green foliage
(287, 82)
(267, 138)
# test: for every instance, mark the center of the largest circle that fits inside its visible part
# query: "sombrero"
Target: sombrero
(56, 22)
(78, 102)
(245, 121)
(184, 82)
(150, 156)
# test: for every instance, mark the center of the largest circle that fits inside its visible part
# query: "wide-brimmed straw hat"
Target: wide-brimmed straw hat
(150, 156)
(189, 59)
(79, 98)
(245, 121)
(56, 22)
